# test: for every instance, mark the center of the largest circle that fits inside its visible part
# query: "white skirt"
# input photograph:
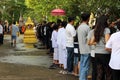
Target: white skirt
(62, 56)
(56, 54)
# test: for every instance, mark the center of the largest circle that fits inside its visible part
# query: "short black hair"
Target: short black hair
(59, 21)
(64, 23)
(71, 19)
(14, 22)
(44, 22)
(55, 26)
(85, 16)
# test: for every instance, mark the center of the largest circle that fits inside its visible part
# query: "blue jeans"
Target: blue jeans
(70, 58)
(84, 66)
(76, 59)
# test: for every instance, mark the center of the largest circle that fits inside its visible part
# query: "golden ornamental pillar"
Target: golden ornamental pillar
(29, 34)
(92, 20)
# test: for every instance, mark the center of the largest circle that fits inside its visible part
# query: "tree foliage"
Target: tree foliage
(11, 9)
(40, 9)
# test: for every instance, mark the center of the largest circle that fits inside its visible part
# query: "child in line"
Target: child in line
(55, 46)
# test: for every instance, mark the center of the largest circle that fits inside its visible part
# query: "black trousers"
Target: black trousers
(116, 74)
(94, 69)
(1, 38)
(104, 72)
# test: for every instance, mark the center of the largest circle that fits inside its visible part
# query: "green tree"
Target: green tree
(42, 8)
(11, 9)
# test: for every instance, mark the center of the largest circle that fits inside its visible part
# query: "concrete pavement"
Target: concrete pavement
(27, 63)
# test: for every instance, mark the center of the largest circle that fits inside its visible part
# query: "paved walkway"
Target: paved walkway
(27, 63)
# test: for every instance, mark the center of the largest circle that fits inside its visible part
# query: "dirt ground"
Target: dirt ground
(17, 71)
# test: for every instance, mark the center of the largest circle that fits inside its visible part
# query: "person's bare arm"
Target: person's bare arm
(107, 36)
(88, 42)
(108, 49)
(92, 41)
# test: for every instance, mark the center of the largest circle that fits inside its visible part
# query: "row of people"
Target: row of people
(98, 37)
(90, 41)
(59, 43)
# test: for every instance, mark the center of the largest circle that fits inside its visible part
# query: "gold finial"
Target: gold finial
(29, 21)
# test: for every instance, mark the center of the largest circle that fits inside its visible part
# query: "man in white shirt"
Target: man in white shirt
(113, 45)
(70, 34)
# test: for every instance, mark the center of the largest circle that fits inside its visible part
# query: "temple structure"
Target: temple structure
(29, 34)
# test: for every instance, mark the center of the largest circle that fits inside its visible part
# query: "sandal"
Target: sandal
(64, 72)
(61, 71)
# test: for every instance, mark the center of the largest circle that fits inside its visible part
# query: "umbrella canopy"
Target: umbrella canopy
(58, 12)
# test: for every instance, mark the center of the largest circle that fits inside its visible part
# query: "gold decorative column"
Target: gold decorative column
(92, 20)
(29, 34)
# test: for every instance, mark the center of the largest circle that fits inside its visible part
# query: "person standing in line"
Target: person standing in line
(100, 37)
(76, 54)
(92, 47)
(61, 41)
(49, 30)
(45, 33)
(1, 34)
(113, 45)
(70, 34)
(83, 31)
(35, 31)
(14, 32)
(55, 46)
